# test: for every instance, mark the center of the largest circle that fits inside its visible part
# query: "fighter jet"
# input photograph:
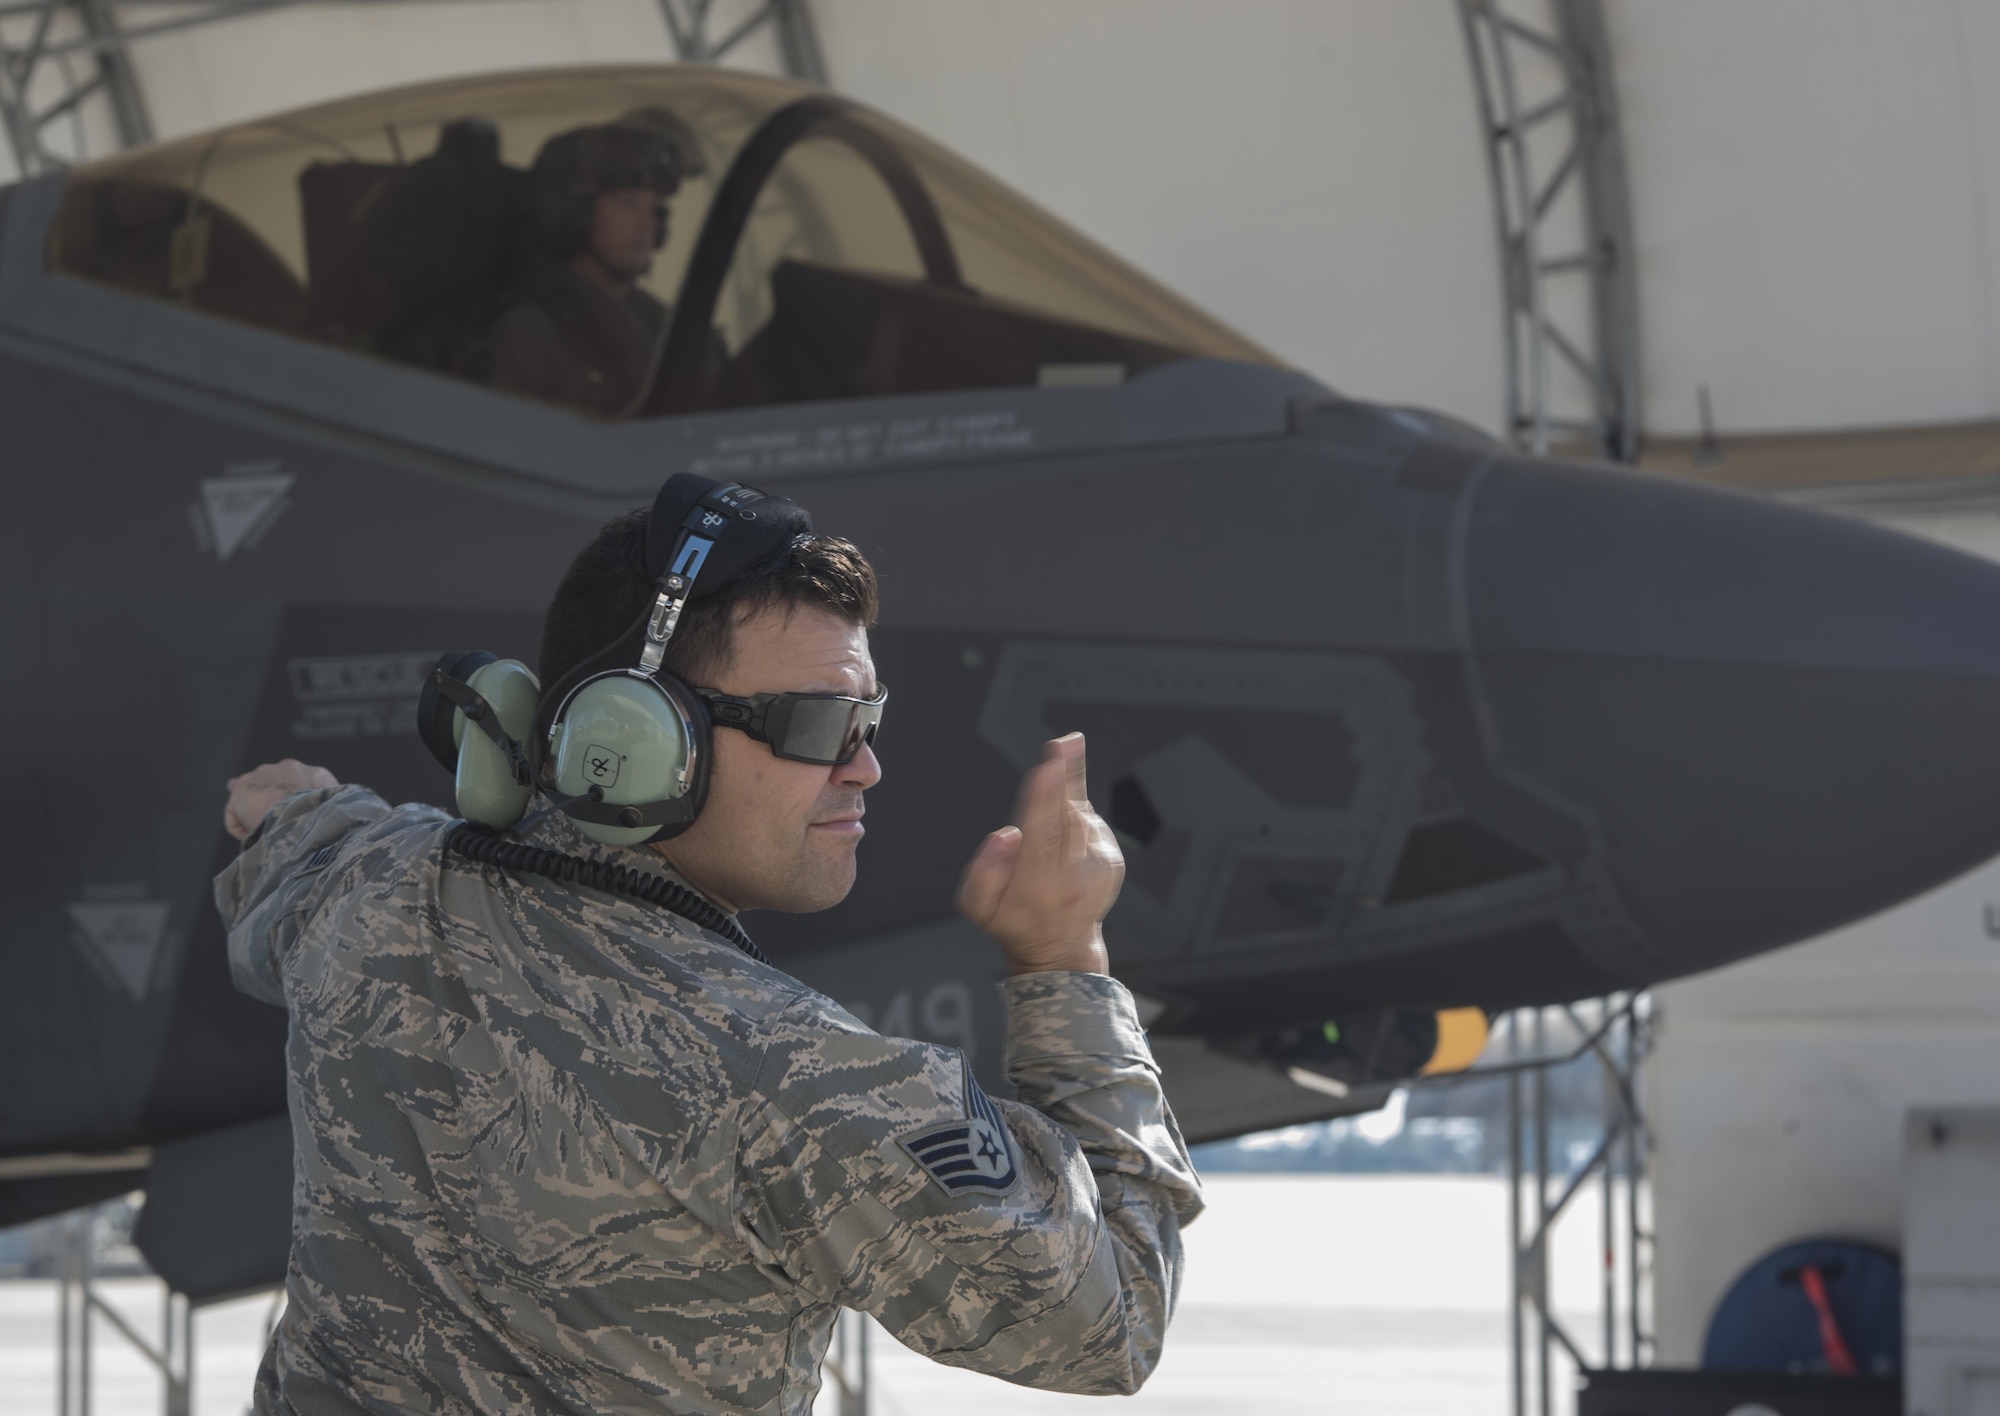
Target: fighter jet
(1397, 726)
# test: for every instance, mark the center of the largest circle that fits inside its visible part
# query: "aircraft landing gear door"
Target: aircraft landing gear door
(1260, 795)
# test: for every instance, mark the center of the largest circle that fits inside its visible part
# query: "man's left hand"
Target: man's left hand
(252, 795)
(1041, 889)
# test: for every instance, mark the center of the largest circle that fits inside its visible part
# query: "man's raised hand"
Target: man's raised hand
(252, 795)
(1043, 887)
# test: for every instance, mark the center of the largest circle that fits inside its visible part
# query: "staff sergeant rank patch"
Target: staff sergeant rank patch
(971, 1156)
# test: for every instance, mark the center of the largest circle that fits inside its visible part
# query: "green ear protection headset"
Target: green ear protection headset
(621, 745)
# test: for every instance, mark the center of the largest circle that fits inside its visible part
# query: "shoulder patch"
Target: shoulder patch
(974, 1154)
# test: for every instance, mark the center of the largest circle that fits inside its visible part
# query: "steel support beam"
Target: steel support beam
(81, 1308)
(1540, 1195)
(846, 1365)
(693, 29)
(66, 66)
(24, 34)
(133, 123)
(1548, 111)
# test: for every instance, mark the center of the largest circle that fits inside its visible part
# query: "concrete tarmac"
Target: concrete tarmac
(1374, 1295)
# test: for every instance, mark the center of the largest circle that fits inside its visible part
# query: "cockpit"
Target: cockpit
(627, 243)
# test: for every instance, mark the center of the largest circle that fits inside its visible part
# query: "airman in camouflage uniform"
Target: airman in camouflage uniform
(558, 1150)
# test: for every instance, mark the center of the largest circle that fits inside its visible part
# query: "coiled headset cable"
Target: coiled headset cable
(476, 843)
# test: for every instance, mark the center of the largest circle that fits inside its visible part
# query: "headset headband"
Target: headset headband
(714, 532)
(689, 506)
(707, 532)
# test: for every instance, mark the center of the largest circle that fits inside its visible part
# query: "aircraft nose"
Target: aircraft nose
(1768, 720)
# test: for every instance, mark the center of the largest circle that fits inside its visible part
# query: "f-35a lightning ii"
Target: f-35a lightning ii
(1391, 720)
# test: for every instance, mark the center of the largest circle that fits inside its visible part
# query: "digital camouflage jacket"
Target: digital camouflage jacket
(560, 1151)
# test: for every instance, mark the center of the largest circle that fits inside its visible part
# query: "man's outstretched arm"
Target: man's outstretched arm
(292, 819)
(253, 794)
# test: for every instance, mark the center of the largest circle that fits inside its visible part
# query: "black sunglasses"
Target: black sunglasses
(826, 728)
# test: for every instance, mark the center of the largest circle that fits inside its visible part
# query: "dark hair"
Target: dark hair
(606, 590)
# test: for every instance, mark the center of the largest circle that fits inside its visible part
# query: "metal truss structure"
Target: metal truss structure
(1615, 1031)
(1542, 1188)
(65, 70)
(1549, 120)
(79, 1305)
(846, 1364)
(69, 88)
(692, 25)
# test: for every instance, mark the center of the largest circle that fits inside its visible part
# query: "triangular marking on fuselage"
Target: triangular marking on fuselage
(242, 502)
(123, 939)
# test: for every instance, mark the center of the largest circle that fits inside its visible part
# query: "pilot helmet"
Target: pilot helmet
(646, 148)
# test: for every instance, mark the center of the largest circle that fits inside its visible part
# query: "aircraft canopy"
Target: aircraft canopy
(813, 249)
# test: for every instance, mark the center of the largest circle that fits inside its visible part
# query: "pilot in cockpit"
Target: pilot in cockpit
(579, 331)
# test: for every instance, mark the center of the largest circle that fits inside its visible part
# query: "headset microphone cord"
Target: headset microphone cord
(476, 843)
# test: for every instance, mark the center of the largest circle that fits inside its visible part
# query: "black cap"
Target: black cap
(750, 528)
